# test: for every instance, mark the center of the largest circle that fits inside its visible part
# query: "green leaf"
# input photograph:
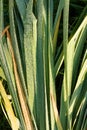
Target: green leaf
(78, 87)
(30, 39)
(59, 63)
(16, 47)
(13, 120)
(21, 6)
(82, 112)
(40, 90)
(11, 84)
(81, 37)
(66, 89)
(56, 23)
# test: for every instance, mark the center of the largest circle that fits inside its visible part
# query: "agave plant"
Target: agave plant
(31, 61)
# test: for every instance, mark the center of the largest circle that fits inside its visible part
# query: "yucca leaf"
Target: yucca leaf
(56, 114)
(21, 5)
(50, 67)
(20, 33)
(15, 45)
(78, 87)
(40, 91)
(59, 63)
(56, 23)
(63, 117)
(6, 70)
(10, 83)
(79, 47)
(84, 58)
(84, 122)
(82, 111)
(14, 122)
(46, 66)
(66, 93)
(30, 39)
(9, 59)
(21, 93)
(79, 103)
(52, 87)
(75, 33)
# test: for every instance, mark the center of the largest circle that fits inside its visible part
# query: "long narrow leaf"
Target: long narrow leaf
(15, 45)
(66, 88)
(10, 83)
(56, 23)
(14, 121)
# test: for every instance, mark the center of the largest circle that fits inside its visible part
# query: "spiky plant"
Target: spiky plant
(31, 59)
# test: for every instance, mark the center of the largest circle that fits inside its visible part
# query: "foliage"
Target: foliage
(33, 55)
